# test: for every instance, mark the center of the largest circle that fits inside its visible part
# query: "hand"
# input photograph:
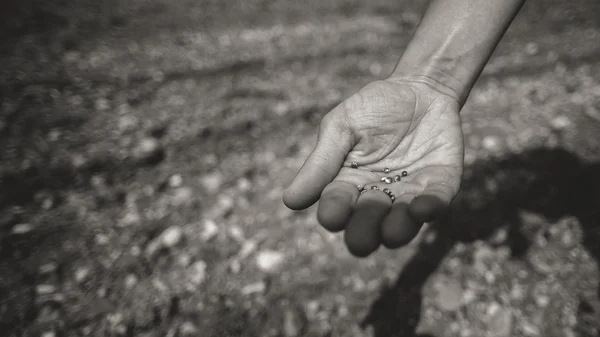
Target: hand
(397, 124)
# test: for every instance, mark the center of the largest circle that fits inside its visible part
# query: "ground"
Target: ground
(145, 150)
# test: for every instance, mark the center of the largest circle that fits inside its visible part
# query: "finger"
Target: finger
(398, 227)
(321, 166)
(432, 203)
(363, 232)
(335, 206)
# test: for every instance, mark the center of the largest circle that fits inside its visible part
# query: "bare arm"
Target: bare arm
(454, 41)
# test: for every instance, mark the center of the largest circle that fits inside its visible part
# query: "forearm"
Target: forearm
(454, 41)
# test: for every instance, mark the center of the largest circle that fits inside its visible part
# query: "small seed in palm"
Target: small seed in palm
(404, 173)
(387, 191)
(386, 170)
(387, 180)
(397, 178)
(360, 187)
(374, 187)
(354, 164)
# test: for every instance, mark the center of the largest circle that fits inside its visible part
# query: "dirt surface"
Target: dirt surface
(144, 156)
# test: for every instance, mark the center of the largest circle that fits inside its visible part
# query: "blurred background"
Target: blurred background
(145, 146)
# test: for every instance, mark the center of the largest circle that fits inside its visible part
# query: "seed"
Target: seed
(404, 173)
(360, 187)
(392, 197)
(363, 191)
(382, 179)
(397, 178)
(386, 170)
(387, 191)
(354, 165)
(374, 187)
(387, 180)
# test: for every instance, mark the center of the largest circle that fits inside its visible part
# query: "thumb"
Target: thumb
(322, 165)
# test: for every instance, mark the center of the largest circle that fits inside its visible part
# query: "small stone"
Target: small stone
(244, 184)
(22, 228)
(101, 239)
(188, 329)
(500, 323)
(81, 274)
(530, 330)
(291, 324)
(212, 182)
(182, 196)
(127, 123)
(159, 285)
(102, 104)
(269, 260)
(175, 181)
(148, 151)
(248, 247)
(184, 260)
(532, 48)
(235, 266)
(131, 217)
(560, 123)
(45, 289)
(130, 281)
(448, 294)
(197, 272)
(171, 236)
(281, 108)
(542, 301)
(48, 268)
(209, 230)
(254, 288)
(491, 143)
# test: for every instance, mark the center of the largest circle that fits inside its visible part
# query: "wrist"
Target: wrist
(442, 81)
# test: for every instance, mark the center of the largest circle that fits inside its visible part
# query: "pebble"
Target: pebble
(244, 184)
(22, 228)
(235, 266)
(209, 230)
(127, 123)
(491, 143)
(131, 217)
(197, 272)
(45, 289)
(184, 260)
(449, 294)
(254, 288)
(560, 122)
(269, 260)
(291, 324)
(176, 180)
(212, 182)
(248, 247)
(130, 281)
(500, 323)
(48, 268)
(102, 104)
(182, 196)
(148, 149)
(171, 236)
(188, 329)
(81, 274)
(530, 330)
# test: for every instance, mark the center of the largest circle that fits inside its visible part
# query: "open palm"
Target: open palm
(387, 127)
